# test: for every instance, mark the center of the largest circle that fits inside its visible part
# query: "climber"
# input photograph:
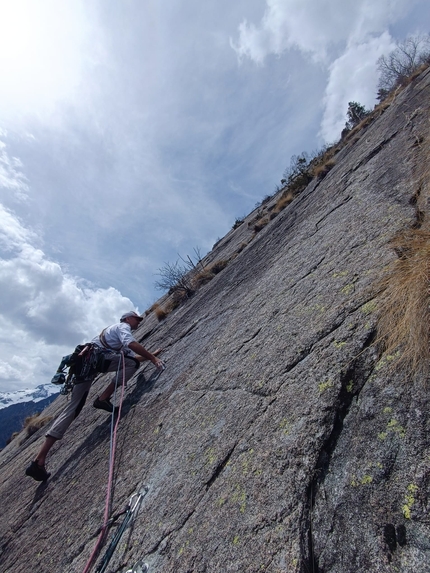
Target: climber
(113, 341)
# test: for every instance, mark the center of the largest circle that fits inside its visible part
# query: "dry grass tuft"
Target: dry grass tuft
(414, 74)
(261, 224)
(218, 266)
(286, 198)
(31, 425)
(202, 278)
(404, 322)
(321, 170)
(152, 308)
(205, 276)
(34, 423)
(163, 313)
(159, 312)
(12, 437)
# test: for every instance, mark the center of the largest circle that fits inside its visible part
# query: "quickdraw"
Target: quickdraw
(60, 378)
(132, 508)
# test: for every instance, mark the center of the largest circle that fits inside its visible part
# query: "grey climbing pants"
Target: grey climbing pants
(80, 392)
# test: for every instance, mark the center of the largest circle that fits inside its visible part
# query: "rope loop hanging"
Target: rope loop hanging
(113, 436)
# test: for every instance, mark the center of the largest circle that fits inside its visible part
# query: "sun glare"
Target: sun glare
(42, 49)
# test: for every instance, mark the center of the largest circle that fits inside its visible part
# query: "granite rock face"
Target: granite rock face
(277, 439)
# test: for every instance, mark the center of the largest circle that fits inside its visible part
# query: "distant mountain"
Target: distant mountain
(28, 395)
(15, 407)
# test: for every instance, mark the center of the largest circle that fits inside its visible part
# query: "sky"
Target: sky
(132, 132)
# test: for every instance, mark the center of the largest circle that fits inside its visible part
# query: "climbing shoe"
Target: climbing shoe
(105, 405)
(37, 472)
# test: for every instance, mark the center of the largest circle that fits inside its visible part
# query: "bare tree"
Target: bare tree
(175, 278)
(399, 64)
(193, 263)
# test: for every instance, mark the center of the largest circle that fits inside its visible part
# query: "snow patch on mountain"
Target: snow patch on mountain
(29, 394)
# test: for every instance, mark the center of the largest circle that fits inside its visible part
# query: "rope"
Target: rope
(108, 503)
(132, 508)
(113, 436)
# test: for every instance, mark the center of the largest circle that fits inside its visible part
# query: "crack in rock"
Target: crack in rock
(358, 374)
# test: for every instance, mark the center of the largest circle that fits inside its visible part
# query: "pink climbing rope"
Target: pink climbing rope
(111, 470)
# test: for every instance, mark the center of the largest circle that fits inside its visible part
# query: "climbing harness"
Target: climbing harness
(132, 508)
(104, 343)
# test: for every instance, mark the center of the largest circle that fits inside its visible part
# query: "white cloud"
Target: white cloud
(352, 77)
(314, 27)
(12, 233)
(44, 47)
(308, 25)
(44, 312)
(11, 176)
(345, 36)
(24, 361)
